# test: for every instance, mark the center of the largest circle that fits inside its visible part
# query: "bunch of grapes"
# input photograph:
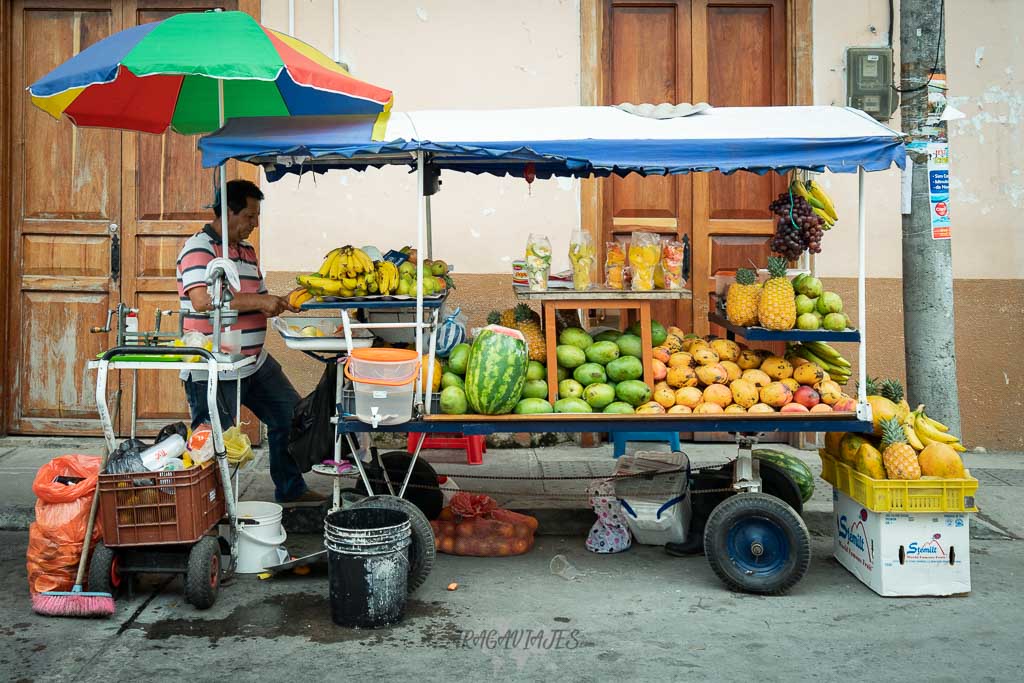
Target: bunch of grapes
(798, 228)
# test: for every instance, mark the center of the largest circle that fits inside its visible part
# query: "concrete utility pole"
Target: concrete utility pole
(927, 262)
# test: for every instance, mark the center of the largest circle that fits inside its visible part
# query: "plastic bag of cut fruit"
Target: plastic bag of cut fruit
(615, 265)
(672, 264)
(475, 525)
(644, 255)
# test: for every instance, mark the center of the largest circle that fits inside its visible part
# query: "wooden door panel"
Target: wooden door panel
(65, 196)
(57, 393)
(739, 49)
(648, 61)
(66, 169)
(739, 59)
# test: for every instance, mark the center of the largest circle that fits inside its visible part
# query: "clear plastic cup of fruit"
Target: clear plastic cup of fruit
(538, 262)
(581, 254)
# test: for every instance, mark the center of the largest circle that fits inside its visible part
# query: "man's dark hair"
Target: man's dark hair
(239, 192)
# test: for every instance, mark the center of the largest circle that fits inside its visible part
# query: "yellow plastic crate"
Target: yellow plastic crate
(889, 495)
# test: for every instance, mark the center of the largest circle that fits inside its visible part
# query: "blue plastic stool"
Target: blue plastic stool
(620, 439)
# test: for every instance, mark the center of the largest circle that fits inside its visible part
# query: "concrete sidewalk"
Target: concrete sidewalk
(518, 482)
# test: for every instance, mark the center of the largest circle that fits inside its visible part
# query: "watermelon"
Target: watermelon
(797, 470)
(496, 370)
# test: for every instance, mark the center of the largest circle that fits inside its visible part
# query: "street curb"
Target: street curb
(17, 517)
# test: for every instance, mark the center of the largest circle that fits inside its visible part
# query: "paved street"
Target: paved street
(641, 615)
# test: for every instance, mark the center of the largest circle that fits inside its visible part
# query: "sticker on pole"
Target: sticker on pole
(938, 189)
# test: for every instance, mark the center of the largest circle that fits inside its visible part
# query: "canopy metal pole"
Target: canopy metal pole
(430, 233)
(421, 237)
(220, 281)
(863, 409)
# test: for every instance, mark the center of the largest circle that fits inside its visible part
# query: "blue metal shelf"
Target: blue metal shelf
(483, 425)
(762, 334)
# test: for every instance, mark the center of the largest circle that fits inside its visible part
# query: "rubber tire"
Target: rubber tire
(203, 558)
(426, 494)
(100, 565)
(776, 482)
(733, 510)
(422, 552)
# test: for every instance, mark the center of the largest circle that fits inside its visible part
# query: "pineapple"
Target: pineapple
(893, 390)
(528, 322)
(870, 386)
(508, 317)
(742, 299)
(777, 308)
(494, 318)
(899, 457)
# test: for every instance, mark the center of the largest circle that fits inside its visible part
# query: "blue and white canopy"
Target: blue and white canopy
(566, 141)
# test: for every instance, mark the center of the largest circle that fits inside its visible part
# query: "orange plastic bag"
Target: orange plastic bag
(475, 525)
(62, 512)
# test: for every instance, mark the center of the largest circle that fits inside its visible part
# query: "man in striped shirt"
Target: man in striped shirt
(266, 390)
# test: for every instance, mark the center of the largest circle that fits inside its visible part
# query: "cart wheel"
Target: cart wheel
(423, 490)
(104, 570)
(758, 544)
(421, 550)
(202, 578)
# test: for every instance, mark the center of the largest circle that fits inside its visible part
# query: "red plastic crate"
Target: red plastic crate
(160, 508)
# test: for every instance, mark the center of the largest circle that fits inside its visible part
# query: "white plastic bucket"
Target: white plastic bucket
(260, 536)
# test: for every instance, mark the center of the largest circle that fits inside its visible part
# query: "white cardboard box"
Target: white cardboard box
(899, 554)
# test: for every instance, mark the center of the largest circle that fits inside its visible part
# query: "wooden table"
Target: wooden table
(601, 298)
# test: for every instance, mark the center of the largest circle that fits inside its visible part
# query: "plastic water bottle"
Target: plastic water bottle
(448, 488)
(156, 457)
(131, 327)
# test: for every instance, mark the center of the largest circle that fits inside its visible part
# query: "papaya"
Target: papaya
(868, 460)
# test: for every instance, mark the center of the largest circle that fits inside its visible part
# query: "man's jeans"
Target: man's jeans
(269, 395)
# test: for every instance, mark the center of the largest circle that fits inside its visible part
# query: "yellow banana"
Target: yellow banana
(927, 433)
(935, 424)
(824, 217)
(325, 268)
(958, 447)
(797, 188)
(822, 196)
(338, 265)
(908, 431)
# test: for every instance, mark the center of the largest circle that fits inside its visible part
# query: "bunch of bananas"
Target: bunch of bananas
(830, 360)
(387, 277)
(819, 200)
(345, 262)
(346, 271)
(922, 431)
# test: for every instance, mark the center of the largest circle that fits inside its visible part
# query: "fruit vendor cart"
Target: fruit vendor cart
(753, 541)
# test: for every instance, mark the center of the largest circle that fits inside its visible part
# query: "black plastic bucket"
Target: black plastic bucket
(367, 565)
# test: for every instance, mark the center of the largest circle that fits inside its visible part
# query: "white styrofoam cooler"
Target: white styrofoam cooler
(900, 554)
(657, 509)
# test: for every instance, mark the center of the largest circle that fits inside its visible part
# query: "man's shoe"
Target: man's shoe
(309, 498)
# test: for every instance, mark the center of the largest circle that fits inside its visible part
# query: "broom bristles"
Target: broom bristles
(73, 604)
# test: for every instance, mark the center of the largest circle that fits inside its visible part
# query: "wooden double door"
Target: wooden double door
(97, 217)
(726, 53)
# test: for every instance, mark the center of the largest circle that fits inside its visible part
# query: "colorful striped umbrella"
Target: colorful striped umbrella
(172, 73)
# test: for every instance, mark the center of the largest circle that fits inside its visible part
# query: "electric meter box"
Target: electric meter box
(869, 81)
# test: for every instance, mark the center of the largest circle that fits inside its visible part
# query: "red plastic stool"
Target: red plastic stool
(475, 446)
